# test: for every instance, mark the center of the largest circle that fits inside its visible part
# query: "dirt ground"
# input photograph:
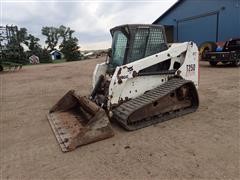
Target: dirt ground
(204, 144)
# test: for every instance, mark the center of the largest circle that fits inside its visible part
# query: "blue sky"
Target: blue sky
(91, 20)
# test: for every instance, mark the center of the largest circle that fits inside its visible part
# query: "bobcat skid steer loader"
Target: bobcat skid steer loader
(143, 82)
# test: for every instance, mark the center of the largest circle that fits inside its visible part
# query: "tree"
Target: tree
(33, 42)
(65, 33)
(70, 49)
(52, 34)
(12, 49)
(69, 45)
(44, 56)
(22, 35)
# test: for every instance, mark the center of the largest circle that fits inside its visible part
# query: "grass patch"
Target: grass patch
(59, 61)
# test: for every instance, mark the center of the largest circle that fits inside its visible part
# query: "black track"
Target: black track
(122, 112)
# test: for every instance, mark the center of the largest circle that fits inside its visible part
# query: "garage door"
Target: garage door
(198, 29)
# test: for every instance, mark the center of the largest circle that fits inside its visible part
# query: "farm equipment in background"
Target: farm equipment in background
(227, 52)
(11, 52)
(143, 82)
(10, 66)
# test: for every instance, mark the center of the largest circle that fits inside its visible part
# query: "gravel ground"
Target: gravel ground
(204, 144)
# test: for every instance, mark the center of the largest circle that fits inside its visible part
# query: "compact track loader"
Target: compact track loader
(144, 81)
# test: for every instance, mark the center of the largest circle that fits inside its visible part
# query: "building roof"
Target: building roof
(168, 11)
(55, 51)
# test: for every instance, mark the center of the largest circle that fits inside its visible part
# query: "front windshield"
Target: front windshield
(118, 48)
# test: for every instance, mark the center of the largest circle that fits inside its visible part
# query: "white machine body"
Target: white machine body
(126, 84)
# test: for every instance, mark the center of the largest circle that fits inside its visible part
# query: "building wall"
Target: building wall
(196, 20)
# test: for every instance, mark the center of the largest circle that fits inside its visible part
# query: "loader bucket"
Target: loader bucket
(76, 121)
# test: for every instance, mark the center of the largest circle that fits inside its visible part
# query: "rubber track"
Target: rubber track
(122, 112)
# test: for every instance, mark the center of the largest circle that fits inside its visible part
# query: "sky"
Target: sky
(91, 20)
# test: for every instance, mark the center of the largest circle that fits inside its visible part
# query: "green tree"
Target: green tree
(70, 49)
(22, 35)
(53, 35)
(69, 44)
(44, 56)
(33, 42)
(65, 32)
(13, 51)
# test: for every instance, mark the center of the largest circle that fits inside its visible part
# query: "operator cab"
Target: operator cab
(133, 42)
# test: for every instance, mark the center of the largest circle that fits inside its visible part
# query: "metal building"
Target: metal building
(201, 20)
